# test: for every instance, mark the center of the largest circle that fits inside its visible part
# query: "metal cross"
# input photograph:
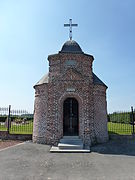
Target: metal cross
(70, 25)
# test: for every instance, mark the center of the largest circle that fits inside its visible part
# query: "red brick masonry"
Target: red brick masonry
(70, 75)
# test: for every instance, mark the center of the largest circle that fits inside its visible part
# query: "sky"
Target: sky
(32, 30)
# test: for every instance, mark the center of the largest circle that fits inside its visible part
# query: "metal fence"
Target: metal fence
(21, 122)
(16, 121)
(122, 123)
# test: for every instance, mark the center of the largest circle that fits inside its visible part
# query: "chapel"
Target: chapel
(70, 100)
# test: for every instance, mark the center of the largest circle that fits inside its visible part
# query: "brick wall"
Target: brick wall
(23, 137)
(49, 98)
(100, 114)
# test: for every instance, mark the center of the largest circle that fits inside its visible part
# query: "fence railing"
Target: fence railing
(121, 123)
(21, 122)
(16, 121)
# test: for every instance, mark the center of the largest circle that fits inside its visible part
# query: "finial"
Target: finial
(70, 25)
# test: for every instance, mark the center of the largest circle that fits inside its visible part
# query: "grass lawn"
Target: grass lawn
(3, 128)
(22, 129)
(119, 128)
(19, 129)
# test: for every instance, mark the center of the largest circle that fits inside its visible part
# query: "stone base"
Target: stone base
(70, 144)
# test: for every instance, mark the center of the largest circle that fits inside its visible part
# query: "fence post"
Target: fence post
(132, 116)
(8, 125)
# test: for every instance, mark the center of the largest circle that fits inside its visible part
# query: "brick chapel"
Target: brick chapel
(70, 100)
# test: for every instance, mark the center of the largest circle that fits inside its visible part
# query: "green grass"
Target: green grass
(3, 128)
(20, 132)
(19, 129)
(119, 128)
(22, 129)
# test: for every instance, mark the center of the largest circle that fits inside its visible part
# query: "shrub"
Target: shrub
(120, 117)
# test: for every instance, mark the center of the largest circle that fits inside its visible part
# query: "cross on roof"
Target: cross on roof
(70, 25)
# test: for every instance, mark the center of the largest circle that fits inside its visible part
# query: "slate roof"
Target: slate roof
(45, 79)
(71, 46)
(97, 81)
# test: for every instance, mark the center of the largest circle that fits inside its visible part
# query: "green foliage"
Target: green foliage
(3, 118)
(122, 117)
(16, 117)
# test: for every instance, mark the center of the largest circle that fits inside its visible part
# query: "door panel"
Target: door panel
(70, 117)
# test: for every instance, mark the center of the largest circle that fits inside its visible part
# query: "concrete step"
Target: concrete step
(70, 137)
(55, 149)
(70, 146)
(68, 141)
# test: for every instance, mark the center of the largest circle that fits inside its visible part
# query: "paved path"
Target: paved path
(110, 161)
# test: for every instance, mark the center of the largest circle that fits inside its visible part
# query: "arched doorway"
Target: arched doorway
(70, 117)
